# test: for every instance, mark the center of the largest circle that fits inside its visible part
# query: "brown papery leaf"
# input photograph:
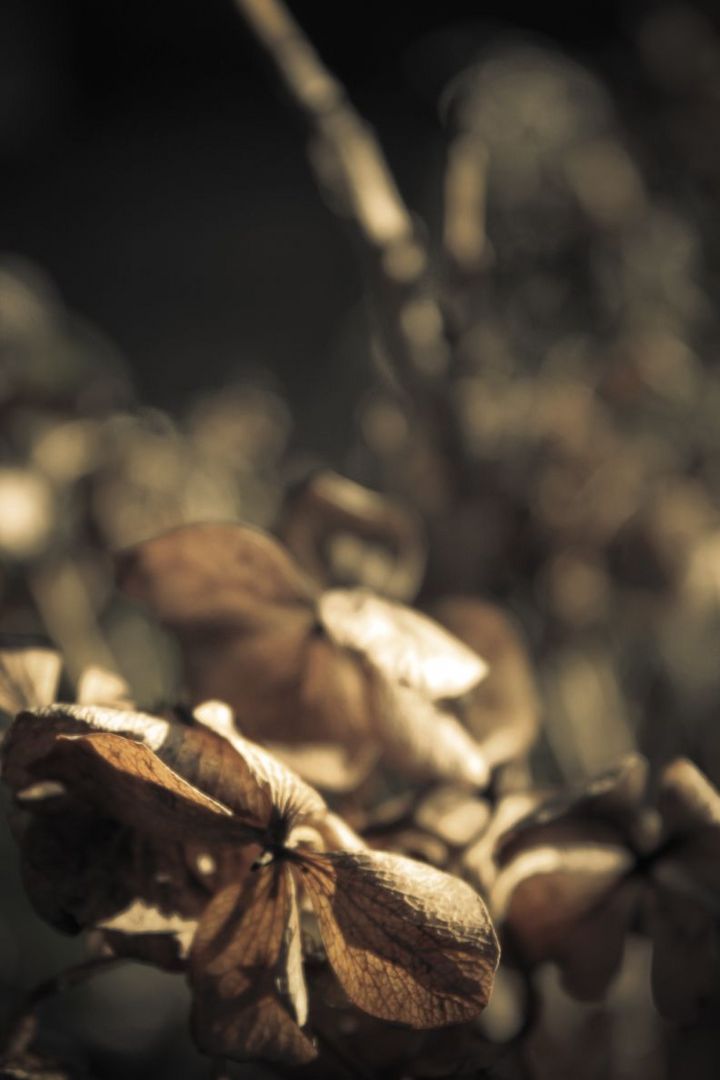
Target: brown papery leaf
(130, 784)
(120, 775)
(244, 614)
(259, 771)
(217, 574)
(208, 766)
(406, 647)
(608, 807)
(249, 997)
(29, 674)
(424, 740)
(407, 942)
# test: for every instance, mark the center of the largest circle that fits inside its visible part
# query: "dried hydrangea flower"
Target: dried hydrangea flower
(408, 943)
(330, 681)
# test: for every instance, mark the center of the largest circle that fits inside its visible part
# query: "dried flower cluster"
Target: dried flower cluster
(184, 844)
(179, 842)
(333, 807)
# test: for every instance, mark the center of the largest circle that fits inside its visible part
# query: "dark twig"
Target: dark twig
(351, 166)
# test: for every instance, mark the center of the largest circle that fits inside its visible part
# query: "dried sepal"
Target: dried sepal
(302, 671)
(123, 777)
(408, 943)
(212, 575)
(406, 647)
(609, 807)
(569, 903)
(249, 993)
(259, 774)
(564, 885)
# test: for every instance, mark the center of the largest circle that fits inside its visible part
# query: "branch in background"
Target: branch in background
(351, 166)
(464, 236)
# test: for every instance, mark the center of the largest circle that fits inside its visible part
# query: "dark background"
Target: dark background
(151, 166)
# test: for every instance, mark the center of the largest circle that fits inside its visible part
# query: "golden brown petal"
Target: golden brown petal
(222, 769)
(407, 942)
(406, 647)
(216, 574)
(249, 997)
(257, 769)
(131, 784)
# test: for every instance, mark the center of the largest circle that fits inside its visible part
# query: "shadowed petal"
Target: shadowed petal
(249, 996)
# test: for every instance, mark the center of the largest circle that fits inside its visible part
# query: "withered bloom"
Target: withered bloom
(582, 870)
(408, 943)
(331, 681)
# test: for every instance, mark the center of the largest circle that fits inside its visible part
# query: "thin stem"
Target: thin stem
(23, 1023)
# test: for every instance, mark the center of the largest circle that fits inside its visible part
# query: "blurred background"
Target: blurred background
(188, 328)
(150, 166)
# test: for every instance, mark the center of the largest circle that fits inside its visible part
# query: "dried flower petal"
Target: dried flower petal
(407, 942)
(222, 575)
(245, 970)
(406, 647)
(569, 903)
